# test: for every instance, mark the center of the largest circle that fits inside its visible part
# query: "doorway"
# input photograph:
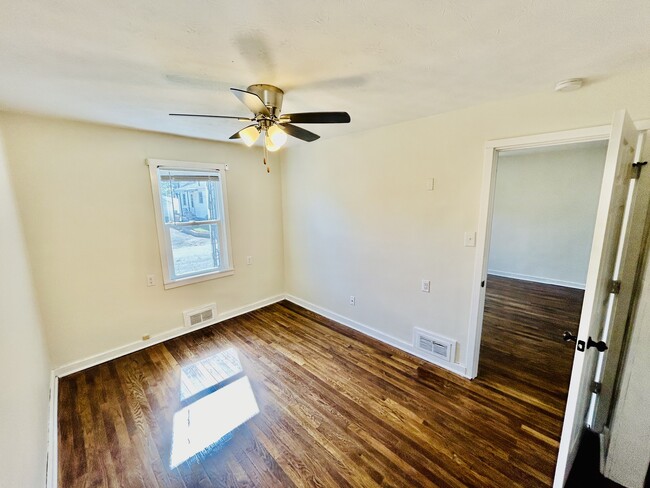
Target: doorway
(544, 211)
(610, 277)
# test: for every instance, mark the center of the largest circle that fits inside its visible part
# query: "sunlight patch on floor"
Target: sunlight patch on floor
(209, 372)
(207, 421)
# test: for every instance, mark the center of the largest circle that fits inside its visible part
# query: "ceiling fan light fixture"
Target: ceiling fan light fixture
(275, 138)
(269, 144)
(249, 135)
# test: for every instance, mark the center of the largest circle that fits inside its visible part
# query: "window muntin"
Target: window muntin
(192, 221)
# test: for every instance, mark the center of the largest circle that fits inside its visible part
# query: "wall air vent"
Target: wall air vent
(200, 316)
(434, 345)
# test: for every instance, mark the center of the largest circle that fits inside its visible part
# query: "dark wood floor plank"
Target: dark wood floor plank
(336, 408)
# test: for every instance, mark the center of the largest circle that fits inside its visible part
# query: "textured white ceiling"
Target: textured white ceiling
(129, 63)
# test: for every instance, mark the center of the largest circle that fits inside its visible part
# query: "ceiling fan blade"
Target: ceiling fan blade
(236, 134)
(243, 119)
(317, 118)
(254, 103)
(299, 132)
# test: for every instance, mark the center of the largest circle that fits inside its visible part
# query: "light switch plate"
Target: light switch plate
(470, 239)
(426, 286)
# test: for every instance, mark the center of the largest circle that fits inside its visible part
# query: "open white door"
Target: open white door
(626, 272)
(597, 306)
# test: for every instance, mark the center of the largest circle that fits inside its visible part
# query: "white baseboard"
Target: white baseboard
(536, 279)
(375, 334)
(52, 472)
(117, 352)
(88, 362)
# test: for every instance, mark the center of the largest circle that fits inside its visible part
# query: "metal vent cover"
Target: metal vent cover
(199, 316)
(435, 345)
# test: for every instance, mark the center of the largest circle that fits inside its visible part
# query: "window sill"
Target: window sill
(198, 278)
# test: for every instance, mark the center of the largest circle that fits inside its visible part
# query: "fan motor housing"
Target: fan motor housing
(270, 95)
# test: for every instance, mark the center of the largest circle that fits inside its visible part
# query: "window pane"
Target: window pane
(195, 249)
(188, 196)
(193, 241)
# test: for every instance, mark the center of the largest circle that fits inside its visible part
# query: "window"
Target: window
(194, 240)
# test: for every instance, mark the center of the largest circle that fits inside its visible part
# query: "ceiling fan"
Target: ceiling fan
(265, 101)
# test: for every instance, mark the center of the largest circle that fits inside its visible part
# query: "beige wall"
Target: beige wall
(23, 356)
(358, 220)
(85, 200)
(545, 204)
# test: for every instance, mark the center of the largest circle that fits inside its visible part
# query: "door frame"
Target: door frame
(488, 185)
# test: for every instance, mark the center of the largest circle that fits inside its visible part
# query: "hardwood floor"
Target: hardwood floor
(522, 351)
(336, 408)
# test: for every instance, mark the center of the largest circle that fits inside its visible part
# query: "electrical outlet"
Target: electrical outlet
(249, 260)
(353, 300)
(426, 286)
(151, 280)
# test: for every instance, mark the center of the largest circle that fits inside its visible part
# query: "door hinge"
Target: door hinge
(615, 286)
(636, 169)
(596, 387)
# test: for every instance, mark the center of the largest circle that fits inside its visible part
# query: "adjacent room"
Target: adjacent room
(545, 206)
(324, 244)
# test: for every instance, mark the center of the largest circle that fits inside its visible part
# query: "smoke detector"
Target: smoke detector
(568, 85)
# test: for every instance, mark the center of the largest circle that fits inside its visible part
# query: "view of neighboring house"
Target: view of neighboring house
(185, 201)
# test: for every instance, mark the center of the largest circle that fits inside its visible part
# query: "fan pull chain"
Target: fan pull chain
(266, 155)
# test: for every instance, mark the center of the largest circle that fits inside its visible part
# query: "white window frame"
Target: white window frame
(163, 237)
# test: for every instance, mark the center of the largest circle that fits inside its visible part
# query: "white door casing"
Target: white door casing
(492, 149)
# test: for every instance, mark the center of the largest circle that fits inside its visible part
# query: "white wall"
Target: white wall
(24, 364)
(358, 220)
(545, 207)
(628, 456)
(85, 200)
